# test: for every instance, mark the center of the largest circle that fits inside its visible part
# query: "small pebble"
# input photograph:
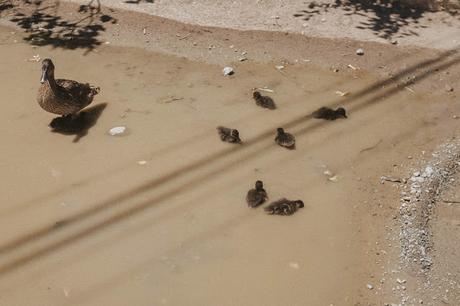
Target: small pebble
(334, 178)
(449, 88)
(142, 162)
(118, 130)
(294, 265)
(228, 71)
(369, 286)
(360, 51)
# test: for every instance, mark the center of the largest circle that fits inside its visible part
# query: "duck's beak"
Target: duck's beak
(44, 77)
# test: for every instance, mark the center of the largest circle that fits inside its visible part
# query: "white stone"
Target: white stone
(228, 71)
(118, 130)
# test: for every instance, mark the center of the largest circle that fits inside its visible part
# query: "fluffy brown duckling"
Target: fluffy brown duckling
(329, 114)
(284, 207)
(263, 101)
(63, 97)
(257, 195)
(228, 134)
(285, 139)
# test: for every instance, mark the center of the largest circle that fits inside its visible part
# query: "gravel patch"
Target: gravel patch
(418, 202)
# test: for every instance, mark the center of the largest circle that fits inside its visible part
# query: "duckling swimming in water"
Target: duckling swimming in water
(256, 196)
(285, 139)
(229, 135)
(63, 97)
(263, 101)
(284, 207)
(329, 114)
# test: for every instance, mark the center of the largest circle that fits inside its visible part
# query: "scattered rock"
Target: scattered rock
(242, 58)
(117, 131)
(228, 71)
(351, 67)
(391, 179)
(394, 42)
(449, 88)
(342, 93)
(334, 178)
(369, 286)
(35, 58)
(360, 51)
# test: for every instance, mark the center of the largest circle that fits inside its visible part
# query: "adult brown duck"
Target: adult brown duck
(63, 97)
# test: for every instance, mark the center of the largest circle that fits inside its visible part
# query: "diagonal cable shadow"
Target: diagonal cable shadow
(200, 237)
(441, 64)
(82, 182)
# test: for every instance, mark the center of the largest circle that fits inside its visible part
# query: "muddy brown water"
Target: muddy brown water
(83, 223)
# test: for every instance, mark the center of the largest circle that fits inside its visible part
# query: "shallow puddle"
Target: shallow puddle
(158, 216)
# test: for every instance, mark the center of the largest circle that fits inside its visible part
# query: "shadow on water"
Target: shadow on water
(78, 125)
(385, 18)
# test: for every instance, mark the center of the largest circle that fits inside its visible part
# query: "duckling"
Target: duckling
(63, 97)
(284, 207)
(229, 135)
(329, 114)
(256, 196)
(285, 139)
(263, 101)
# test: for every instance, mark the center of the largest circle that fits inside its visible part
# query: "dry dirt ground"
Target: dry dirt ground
(84, 223)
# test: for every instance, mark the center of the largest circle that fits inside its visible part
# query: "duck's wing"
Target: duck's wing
(77, 91)
(320, 112)
(273, 208)
(254, 198)
(269, 103)
(288, 140)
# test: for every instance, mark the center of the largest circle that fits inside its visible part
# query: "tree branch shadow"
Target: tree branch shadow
(46, 27)
(385, 18)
